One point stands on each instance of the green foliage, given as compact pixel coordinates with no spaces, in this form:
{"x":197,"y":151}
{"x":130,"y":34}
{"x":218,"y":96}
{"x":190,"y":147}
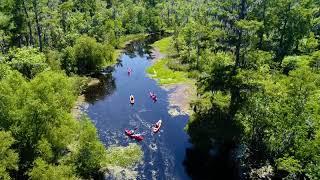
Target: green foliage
{"x":8,"y":157}
{"x":45,"y":171}
{"x":91,"y":154}
{"x":4,"y":70}
{"x":91,"y":56}
{"x":51,"y":144}
{"x":309,"y":44}
{"x":153,"y":20}
{"x":289,"y":164}
{"x":293,"y":62}
{"x":315,"y":60}
{"x":258,"y":69}
{"x":257,"y":65}
{"x":164,"y":45}
{"x":28,"y":61}
{"x":175,"y":65}
{"x":53,"y":60}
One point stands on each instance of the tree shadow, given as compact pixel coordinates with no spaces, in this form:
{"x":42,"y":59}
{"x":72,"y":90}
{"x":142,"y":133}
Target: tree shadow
{"x":98,"y":91}
{"x":143,"y":46}
{"x":215,"y":137}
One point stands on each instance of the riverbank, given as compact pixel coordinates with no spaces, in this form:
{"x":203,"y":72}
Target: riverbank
{"x":81,"y":105}
{"x":181,"y":88}
{"x":124,"y":41}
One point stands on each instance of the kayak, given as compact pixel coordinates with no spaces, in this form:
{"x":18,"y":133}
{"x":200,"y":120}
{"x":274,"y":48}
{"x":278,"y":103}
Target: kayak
{"x":130,"y":133}
{"x":131,"y":99}
{"x":137,"y":137}
{"x":153,"y":96}
{"x":156,"y":129}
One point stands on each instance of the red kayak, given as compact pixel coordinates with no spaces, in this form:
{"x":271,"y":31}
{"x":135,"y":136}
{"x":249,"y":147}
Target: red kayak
{"x":130,"y":133}
{"x":157,"y":126}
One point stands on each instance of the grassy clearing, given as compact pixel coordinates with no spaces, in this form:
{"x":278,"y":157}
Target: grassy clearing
{"x":164,"y":45}
{"x":161,"y":70}
{"x":166,"y":76}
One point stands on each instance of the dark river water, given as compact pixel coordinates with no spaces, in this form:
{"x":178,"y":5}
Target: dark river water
{"x":109,"y":109}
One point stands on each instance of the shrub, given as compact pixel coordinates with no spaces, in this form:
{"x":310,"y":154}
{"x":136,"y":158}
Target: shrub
{"x":90,"y":56}
{"x":28,"y":61}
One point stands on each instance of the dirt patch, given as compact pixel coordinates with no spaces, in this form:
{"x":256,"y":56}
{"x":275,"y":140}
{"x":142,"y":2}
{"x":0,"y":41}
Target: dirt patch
{"x":94,"y":82}
{"x":77,"y":110}
{"x":180,"y":96}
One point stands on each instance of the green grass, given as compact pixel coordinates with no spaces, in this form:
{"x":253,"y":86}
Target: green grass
{"x":166,"y":76}
{"x":164,"y":45}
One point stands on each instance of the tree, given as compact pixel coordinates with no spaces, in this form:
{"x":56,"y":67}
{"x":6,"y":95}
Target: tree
{"x":28,"y":61}
{"x":42,"y":170}
{"x":91,"y":56}
{"x":91,"y":154}
{"x":8,"y":157}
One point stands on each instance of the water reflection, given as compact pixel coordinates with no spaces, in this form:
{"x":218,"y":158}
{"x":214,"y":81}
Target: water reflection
{"x":138,"y":48}
{"x":105,"y":87}
{"x":143,"y":48}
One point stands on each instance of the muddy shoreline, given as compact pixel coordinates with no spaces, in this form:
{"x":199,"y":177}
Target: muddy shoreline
{"x":180,"y":95}
{"x":81,"y":105}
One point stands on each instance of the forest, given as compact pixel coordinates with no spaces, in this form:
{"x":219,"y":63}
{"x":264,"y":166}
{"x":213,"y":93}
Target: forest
{"x":256,"y":65}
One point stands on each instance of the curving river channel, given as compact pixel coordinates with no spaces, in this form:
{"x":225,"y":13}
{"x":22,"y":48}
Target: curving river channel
{"x":109,"y":109}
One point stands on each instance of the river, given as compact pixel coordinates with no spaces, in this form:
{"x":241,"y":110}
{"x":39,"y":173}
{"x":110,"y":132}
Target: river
{"x":109,"y":109}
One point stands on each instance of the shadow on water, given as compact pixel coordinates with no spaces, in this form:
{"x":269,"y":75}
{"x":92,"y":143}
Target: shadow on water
{"x":213,"y":155}
{"x":105,"y":87}
{"x":142,"y":48}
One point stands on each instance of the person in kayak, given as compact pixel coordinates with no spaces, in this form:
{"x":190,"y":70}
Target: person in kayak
{"x":156,"y":125}
{"x":153,"y":96}
{"x":134,"y":131}
{"x":129,"y":71}
{"x":131,"y":99}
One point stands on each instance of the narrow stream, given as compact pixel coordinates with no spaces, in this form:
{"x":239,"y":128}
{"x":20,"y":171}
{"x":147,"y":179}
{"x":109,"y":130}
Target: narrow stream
{"x":109,"y":109}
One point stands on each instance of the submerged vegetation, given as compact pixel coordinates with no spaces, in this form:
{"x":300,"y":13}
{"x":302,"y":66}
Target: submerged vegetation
{"x":256,"y":64}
